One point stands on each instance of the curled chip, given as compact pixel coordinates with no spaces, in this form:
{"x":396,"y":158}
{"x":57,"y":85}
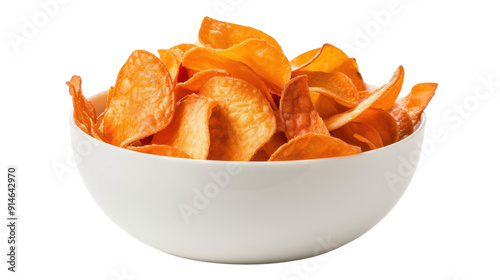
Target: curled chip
{"x":200,"y":59}
{"x":359,"y":134}
{"x":297,"y":110}
{"x":194,"y":84}
{"x":418,"y":98}
{"x":341,"y":119}
{"x":83,"y":110}
{"x":325,"y":106}
{"x":142,"y":102}
{"x":188,"y":130}
{"x":336,"y":85}
{"x":234,"y":95}
{"x":160,"y":150}
{"x":222,"y":35}
{"x":172,"y":59}
{"x":383,"y":122}
{"x":328,"y":59}
{"x":278,"y":140}
{"x":267,"y":61}
{"x":242,"y":122}
{"x":313,"y":146}
{"x":405,"y":124}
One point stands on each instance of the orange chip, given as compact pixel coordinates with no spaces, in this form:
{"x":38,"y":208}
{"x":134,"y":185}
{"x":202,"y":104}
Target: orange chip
{"x":328,"y":59}
{"x":267,"y":61}
{"x":194,"y":84}
{"x":336,"y":85}
{"x":142,"y":102}
{"x":278,"y":140}
{"x":341,"y":119}
{"x":383,"y":122}
{"x":325,"y":106}
{"x":189,"y":130}
{"x":160,"y":150}
{"x":359,"y":134}
{"x":171,"y":59}
{"x":222,"y":35}
{"x":405,"y":124}
{"x":200,"y":59}
{"x":416,"y":101}
{"x":242,"y":122}
{"x":83,"y":110}
{"x":183,"y":47}
{"x":261,"y":155}
{"x":297,"y":110}
{"x":313,"y":146}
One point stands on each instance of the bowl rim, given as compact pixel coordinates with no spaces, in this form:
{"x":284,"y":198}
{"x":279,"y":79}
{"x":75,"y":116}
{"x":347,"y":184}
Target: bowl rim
{"x":418,"y":130}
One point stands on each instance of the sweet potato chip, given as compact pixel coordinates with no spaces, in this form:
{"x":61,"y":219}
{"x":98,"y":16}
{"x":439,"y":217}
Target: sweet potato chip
{"x":189,"y":130}
{"x":297,"y":110}
{"x":160,"y":150}
{"x":328,"y":59}
{"x":261,"y":155}
{"x":313,"y":146}
{"x":84,"y":114}
{"x":336,"y":85}
{"x":325,"y":106}
{"x":359,"y":134}
{"x":222,"y":35}
{"x":383,"y":122}
{"x":278,"y":140}
{"x":341,"y":119}
{"x":194,"y":84}
{"x":183,"y":47}
{"x":405,"y":124}
{"x":242,"y":122}
{"x":171,"y":59}
{"x":200,"y":59}
{"x":416,"y":101}
{"x":267,"y":61}
{"x":142,"y":102}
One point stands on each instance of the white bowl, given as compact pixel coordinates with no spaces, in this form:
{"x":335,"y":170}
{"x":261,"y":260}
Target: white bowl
{"x":244,"y":212}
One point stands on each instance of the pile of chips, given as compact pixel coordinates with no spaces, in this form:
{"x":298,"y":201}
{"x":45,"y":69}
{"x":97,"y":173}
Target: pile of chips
{"x":235,"y":96}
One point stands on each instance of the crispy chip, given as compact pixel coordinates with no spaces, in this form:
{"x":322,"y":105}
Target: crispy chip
{"x":160,"y":150}
{"x":189,"y":131}
{"x":200,"y":59}
{"x":261,"y":155}
{"x":142,"y":102}
{"x":267,"y":61}
{"x":359,"y":134}
{"x":405,"y":124}
{"x":83,"y":110}
{"x":325,"y":106}
{"x":416,"y":101}
{"x":183,"y":47}
{"x":172,"y":59}
{"x":297,"y":110}
{"x":278,"y":140}
{"x":313,"y":146}
{"x":328,"y":59}
{"x":194,"y":84}
{"x":222,"y":35}
{"x":242,"y":122}
{"x":336,"y":85}
{"x":383,"y":122}
{"x":341,"y":119}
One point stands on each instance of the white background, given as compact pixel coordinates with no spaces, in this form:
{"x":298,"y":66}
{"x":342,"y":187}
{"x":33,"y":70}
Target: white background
{"x":446,"y":226}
